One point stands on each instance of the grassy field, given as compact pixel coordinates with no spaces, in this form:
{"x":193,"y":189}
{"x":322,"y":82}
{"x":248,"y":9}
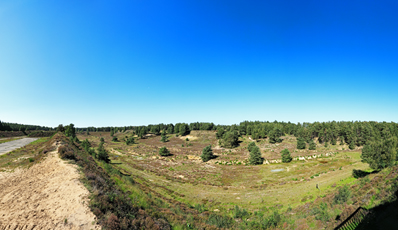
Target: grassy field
{"x":226,"y":181}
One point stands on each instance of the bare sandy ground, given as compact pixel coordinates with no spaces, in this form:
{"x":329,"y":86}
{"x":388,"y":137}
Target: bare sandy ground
{"x":48,"y":195}
{"x":11,"y":145}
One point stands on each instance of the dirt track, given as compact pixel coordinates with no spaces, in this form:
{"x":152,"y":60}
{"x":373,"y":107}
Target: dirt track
{"x":48,"y":195}
{"x":9,"y":146}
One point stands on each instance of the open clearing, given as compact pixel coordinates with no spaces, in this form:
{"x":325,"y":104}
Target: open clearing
{"x":226,"y":181}
{"x":47,"y":195}
{"x":11,"y":145}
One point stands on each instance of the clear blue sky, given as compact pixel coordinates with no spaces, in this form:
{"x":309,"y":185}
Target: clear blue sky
{"x":116,"y":63}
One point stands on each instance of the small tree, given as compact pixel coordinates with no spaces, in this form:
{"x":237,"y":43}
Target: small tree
{"x":112,"y":132}
{"x":207,"y":153}
{"x":102,"y":154}
{"x":114,"y":139}
{"x":301,"y":143}
{"x":255,"y":156}
{"x":274,"y":136}
{"x":164,"y":137}
{"x":164,"y":152}
{"x":286,"y":157}
{"x":251,"y":146}
{"x":87,"y":132}
{"x":312,"y":145}
{"x":380,"y":154}
{"x":102,"y":140}
{"x":343,"y":195}
{"x":86,"y":145}
{"x":130,"y":140}
{"x":70,"y":130}
{"x":351,"y":145}
{"x":230,"y":139}
{"x":184,"y":129}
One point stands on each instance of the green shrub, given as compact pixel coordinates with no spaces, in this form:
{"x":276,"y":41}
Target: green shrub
{"x":102,"y":154}
{"x":240,"y":213}
{"x":255,"y":156}
{"x":207,"y":153}
{"x":130,"y":140}
{"x":220,"y":221}
{"x":114,"y":139}
{"x":286,"y":157}
{"x":164,"y":152}
{"x":342,"y":195}
{"x":321,"y":212}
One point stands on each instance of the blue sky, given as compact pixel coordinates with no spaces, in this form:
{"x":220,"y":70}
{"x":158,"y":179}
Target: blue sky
{"x":116,"y":63}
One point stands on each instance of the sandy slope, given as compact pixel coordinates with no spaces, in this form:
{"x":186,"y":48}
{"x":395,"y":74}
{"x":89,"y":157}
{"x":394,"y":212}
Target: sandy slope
{"x":48,"y":195}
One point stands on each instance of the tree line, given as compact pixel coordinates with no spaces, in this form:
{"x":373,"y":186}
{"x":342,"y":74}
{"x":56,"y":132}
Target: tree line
{"x":5,"y":126}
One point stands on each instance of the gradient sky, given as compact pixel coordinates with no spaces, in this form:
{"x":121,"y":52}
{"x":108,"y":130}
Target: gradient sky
{"x":117,"y":63}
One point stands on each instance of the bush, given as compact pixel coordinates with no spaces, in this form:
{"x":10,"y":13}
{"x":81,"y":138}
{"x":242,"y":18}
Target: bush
{"x":343,"y":195}
{"x":220,"y":221}
{"x":240,"y":213}
{"x":66,"y":152}
{"x":380,"y":154}
{"x":164,"y":152}
{"x":115,"y":139}
{"x":286,"y":157}
{"x":102,"y":154}
{"x":207,"y":153}
{"x":130,"y":140}
{"x":271,"y":221}
{"x":102,"y":139}
{"x":321,"y":213}
{"x":164,"y":137}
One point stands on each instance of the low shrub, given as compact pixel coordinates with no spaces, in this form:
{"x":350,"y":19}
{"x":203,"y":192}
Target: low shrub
{"x":342,"y":195}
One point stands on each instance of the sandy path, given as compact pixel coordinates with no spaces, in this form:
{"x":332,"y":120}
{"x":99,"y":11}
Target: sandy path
{"x":48,"y":195}
{"x":11,"y":145}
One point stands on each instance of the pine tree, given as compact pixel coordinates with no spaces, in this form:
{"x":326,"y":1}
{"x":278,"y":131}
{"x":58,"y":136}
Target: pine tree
{"x":300,"y":143}
{"x":251,"y":146}
{"x":312,"y":145}
{"x":130,"y":140}
{"x":164,"y":152}
{"x":255,"y":156}
{"x":286,"y":157}
{"x":380,"y":154}
{"x":164,"y":137}
{"x":207,"y":154}
{"x":102,"y":154}
{"x":70,"y":130}
{"x":351,"y":145}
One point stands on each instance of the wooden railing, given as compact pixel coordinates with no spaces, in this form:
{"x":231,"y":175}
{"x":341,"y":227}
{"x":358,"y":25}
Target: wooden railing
{"x":353,"y":220}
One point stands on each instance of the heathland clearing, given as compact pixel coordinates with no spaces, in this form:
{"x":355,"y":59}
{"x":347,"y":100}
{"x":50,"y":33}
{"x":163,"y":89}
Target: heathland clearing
{"x":226,"y":181}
